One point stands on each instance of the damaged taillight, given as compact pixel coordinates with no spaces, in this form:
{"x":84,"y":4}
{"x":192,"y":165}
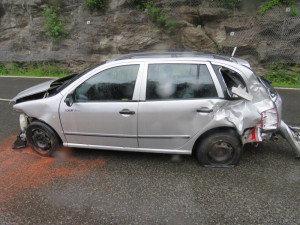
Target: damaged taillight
{"x":253,"y":135}
{"x":269,"y":119}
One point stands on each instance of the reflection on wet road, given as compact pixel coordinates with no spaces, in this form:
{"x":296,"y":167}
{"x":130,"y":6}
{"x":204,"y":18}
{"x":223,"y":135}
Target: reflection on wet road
{"x":98,"y":187}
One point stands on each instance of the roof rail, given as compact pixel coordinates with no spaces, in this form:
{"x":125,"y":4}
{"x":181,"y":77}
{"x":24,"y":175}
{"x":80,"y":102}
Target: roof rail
{"x":169,"y":54}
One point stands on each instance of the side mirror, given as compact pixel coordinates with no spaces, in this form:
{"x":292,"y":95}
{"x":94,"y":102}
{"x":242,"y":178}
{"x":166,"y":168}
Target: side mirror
{"x":69,"y":100}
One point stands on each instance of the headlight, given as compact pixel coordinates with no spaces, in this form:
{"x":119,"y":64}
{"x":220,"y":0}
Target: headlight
{"x":23,"y":122}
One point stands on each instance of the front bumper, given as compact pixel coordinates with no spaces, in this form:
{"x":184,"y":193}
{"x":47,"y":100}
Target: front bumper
{"x":291,"y":136}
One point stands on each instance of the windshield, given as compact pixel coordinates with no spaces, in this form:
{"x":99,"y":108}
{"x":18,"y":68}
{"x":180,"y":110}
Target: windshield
{"x":63,"y":82}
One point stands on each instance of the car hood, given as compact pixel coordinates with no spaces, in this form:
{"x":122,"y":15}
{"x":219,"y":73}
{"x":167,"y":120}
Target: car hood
{"x":33,"y":90}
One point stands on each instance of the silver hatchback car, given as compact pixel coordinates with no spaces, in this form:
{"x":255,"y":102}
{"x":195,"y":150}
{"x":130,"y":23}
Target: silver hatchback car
{"x":173,"y":102}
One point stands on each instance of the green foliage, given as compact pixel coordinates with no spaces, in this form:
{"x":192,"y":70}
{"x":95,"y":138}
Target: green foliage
{"x":140,"y":4}
{"x":158,"y":16}
{"x":53,"y":25}
{"x":96,"y":4}
{"x":283,"y":74}
{"x":3,"y":69}
{"x":288,"y":2}
{"x":36,"y":69}
{"x":15,"y":69}
{"x":231,"y":4}
{"x":268,"y":4}
{"x":294,"y":11}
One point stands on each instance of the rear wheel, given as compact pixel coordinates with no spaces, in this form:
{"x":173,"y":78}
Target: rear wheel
{"x":41,"y":138}
{"x":222,"y":149}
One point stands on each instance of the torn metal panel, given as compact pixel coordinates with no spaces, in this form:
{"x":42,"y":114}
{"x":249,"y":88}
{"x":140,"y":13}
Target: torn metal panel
{"x":238,"y":112}
{"x":239,"y":91}
{"x":40,"y":88}
{"x":292,"y":137}
{"x":44,"y":110}
{"x":247,"y":112}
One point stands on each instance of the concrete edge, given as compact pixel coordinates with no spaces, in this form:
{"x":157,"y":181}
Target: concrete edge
{"x":28,"y":77}
{"x":5,"y":100}
{"x":287,"y":88}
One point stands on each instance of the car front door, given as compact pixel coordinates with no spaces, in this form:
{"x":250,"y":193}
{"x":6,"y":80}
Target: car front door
{"x":104,"y":112}
{"x":179,"y":102}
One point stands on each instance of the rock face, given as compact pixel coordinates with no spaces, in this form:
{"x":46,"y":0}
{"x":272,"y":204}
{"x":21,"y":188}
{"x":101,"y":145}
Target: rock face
{"x":97,"y":36}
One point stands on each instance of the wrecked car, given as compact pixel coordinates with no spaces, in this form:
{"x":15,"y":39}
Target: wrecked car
{"x":203,"y":104}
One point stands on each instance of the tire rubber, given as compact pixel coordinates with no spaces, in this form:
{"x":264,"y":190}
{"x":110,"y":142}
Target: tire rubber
{"x":53,"y":138}
{"x":205,"y":146}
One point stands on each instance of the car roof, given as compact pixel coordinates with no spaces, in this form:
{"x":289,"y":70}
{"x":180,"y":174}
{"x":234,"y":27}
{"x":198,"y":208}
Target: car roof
{"x":186,"y":56}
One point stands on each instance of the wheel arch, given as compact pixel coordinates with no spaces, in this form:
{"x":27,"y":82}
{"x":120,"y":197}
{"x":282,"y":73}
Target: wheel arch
{"x":33,"y":119}
{"x":212,"y":131}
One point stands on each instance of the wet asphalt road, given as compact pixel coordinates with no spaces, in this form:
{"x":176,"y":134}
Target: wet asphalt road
{"x":101,"y":187}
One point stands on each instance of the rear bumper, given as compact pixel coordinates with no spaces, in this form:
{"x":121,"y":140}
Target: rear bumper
{"x":292,"y":137}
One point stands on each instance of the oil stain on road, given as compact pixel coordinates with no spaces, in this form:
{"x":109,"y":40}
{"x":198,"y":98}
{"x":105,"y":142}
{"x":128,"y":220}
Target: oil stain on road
{"x":21,"y":170}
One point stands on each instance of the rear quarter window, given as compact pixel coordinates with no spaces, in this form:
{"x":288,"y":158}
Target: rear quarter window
{"x":230,"y":79}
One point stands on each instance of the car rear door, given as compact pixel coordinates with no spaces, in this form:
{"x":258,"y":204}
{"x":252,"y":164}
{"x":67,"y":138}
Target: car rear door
{"x":104,"y":112}
{"x":179,"y":99}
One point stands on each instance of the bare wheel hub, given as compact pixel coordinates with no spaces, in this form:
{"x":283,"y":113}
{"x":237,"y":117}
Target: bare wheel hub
{"x":221,"y":152}
{"x":41,"y":139}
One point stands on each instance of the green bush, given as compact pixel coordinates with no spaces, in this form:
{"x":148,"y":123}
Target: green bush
{"x":140,"y":4}
{"x":229,"y":3}
{"x":15,"y":69}
{"x":53,"y":25}
{"x":158,"y":16}
{"x":268,"y":4}
{"x":96,"y":4}
{"x":294,"y":11}
{"x":288,"y":2}
{"x":3,"y":69}
{"x":283,"y":74}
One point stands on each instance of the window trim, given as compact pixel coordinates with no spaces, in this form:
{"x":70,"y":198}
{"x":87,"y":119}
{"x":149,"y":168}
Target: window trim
{"x":221,"y":79}
{"x":209,"y":67}
{"x":102,"y":68}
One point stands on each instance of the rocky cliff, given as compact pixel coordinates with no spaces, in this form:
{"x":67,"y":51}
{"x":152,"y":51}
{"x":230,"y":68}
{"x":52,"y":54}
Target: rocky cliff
{"x":94,"y":36}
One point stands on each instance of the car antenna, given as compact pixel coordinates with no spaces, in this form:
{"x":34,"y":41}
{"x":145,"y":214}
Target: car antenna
{"x":234,"y":50}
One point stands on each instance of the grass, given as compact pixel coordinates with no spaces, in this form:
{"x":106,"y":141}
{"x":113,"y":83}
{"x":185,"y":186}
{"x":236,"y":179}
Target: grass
{"x":278,"y":84}
{"x":32,"y":70}
{"x":284,"y":75}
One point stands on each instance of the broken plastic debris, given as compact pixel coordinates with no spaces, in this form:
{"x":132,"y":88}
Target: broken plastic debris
{"x":239,"y":91}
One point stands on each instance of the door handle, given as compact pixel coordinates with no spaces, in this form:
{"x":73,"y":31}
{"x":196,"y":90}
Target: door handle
{"x":205,"y":110}
{"x":127,"y":112}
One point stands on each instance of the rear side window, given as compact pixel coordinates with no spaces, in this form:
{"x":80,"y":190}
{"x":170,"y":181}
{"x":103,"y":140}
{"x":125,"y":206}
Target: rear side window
{"x":179,"y":81}
{"x":115,"y":84}
{"x":230,"y":78}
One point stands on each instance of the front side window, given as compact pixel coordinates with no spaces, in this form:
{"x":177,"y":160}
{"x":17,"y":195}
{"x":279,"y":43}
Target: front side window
{"x":114,"y":84}
{"x":179,"y":81}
